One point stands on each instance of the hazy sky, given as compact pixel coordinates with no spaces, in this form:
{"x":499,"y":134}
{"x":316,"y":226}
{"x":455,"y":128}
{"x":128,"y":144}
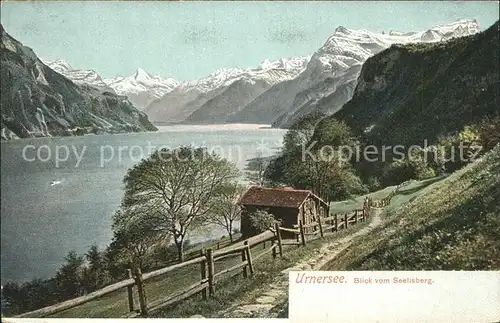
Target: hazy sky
{"x":188,"y":40}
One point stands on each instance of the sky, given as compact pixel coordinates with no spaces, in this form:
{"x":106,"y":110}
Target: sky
{"x":189,"y":40}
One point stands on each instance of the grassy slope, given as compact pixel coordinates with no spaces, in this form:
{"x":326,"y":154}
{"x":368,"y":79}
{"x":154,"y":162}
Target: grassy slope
{"x":227,"y":291}
{"x":405,"y":193}
{"x":359,"y":256}
{"x":116,"y":304}
{"x":453,"y":224}
{"x":238,"y":290}
{"x":347,"y":206}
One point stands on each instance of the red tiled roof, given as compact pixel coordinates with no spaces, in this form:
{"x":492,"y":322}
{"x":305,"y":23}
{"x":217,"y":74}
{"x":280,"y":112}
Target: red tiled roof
{"x":281,"y":197}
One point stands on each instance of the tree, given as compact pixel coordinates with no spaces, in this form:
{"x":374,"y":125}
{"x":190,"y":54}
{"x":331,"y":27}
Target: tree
{"x":330,"y":175}
{"x":421,"y":164}
{"x":95,"y":271}
{"x":332,"y":132}
{"x":226,"y":211}
{"x":316,"y":159}
{"x":261,"y":220}
{"x":135,"y":235}
{"x":19,"y":298}
{"x":301,"y":131}
{"x":284,"y":169}
{"x":177,"y":188}
{"x":255,"y":170}
{"x":69,"y":277}
{"x":166,"y":254}
{"x":489,"y":132}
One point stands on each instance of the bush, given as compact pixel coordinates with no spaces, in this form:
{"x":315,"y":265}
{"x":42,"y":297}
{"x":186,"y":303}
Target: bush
{"x":404,"y":170}
{"x":262,"y":220}
{"x":373,"y":184}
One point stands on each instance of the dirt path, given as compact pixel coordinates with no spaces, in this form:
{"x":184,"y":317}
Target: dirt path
{"x":264,"y":303}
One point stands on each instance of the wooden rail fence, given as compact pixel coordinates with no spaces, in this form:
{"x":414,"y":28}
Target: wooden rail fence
{"x":207,"y":258}
{"x":206,"y":285}
{"x":387,"y":200}
{"x":325,"y":225}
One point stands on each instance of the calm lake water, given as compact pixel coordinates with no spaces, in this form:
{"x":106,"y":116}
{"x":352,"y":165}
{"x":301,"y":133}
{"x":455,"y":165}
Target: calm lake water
{"x":51,"y":205}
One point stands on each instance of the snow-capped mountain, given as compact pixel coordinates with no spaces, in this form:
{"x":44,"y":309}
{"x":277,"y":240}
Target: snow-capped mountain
{"x":279,"y":91}
{"x":79,"y":76}
{"x":347,"y":46}
{"x":142,"y":88}
{"x":270,"y":71}
{"x":335,"y":67}
{"x":222,"y":93}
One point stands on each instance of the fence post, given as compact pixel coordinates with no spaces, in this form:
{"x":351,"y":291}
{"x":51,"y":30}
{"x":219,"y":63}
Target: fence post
{"x":355,"y":216}
{"x":211,"y":271}
{"x":218,"y":245}
{"x":336,"y":222}
{"x":320,"y":227}
{"x":345,"y":220}
{"x":249,"y":257}
{"x":302,"y":233}
{"x":274,"y":245}
{"x":203,"y":270}
{"x":278,"y":234}
{"x":141,"y":292}
{"x":243,"y":259}
{"x":130,"y":292}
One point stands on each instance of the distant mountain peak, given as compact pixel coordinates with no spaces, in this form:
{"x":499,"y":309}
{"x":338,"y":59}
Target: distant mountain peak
{"x":61,"y":63}
{"x":141,"y":74}
{"x":140,"y":87}
{"x":79,"y":76}
{"x":341,"y":30}
{"x":226,"y":76}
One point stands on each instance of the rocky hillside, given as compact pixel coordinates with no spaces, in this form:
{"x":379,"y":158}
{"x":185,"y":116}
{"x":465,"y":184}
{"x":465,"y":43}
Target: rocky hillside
{"x":222,"y":107}
{"x":413,"y":92}
{"x":331,"y":76}
{"x":37,"y":101}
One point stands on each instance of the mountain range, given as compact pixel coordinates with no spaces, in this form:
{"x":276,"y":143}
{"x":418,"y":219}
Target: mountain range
{"x":415,"y":92}
{"x":331,"y":76}
{"x":141,"y":88}
{"x":279,"y":92}
{"x":57,"y":99}
{"x":37,"y":101}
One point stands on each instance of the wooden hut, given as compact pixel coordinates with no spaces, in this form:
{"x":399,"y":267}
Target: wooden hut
{"x":288,"y":205}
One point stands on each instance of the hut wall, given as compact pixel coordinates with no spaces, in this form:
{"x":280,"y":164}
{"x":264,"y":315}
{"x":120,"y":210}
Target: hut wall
{"x":309,"y":209}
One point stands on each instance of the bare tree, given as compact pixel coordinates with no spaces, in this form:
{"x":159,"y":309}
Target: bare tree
{"x":178,"y":188}
{"x":226,"y":211}
{"x":255,"y":170}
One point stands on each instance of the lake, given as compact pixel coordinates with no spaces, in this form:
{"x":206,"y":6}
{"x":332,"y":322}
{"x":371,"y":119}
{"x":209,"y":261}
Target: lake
{"x":58,"y":194}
